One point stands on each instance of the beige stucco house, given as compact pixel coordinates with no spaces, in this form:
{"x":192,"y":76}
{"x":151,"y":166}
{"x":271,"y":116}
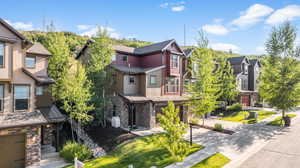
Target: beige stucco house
{"x":27,"y":116}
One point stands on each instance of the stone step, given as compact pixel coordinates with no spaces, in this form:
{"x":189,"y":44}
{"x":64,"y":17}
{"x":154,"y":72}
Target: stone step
{"x":52,"y":159}
{"x":48,"y":149}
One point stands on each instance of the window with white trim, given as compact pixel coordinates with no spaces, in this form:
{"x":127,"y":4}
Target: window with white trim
{"x":21,"y":97}
{"x":174,"y":61}
{"x":172,"y":85}
{"x":131,"y":80}
{"x":1,"y":97}
{"x":30,"y":62}
{"x":2,"y":50}
{"x":39,"y":91}
{"x":153,"y":79}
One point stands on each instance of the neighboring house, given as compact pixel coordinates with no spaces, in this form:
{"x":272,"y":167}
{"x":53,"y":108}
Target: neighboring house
{"x":146,"y":78}
{"x":27,"y":116}
{"x":246,"y":75}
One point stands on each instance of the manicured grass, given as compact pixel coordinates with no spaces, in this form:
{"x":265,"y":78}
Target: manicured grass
{"x":277,"y":121}
{"x":141,"y":152}
{"x":242,"y":116}
{"x":215,"y":161}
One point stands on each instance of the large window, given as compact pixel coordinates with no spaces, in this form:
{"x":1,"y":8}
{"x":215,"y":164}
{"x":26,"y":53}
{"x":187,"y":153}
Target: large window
{"x":30,"y":62}
{"x":1,"y":55}
{"x":172,"y":85}
{"x":21,"y":97}
{"x":1,"y":97}
{"x":174,"y":61}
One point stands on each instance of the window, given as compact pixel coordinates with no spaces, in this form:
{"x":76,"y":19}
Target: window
{"x":113,"y":57}
{"x":1,"y":55}
{"x":125,"y":58}
{"x":174,"y":61}
{"x":172,"y":85}
{"x":30,"y":62}
{"x":131,"y":80}
{"x":152,"y":79}
{"x":1,"y":97}
{"x":114,"y":110}
{"x":39,"y":91}
{"x":245,"y":68}
{"x":21,"y":97}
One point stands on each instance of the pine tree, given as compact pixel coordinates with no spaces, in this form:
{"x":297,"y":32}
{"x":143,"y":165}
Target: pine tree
{"x":280,"y":79}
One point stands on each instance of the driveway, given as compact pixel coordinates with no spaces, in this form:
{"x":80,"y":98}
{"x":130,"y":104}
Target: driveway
{"x":281,"y":152}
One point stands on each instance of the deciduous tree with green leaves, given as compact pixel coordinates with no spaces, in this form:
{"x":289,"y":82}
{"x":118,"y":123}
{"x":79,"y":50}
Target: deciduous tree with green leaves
{"x":280,"y":78}
{"x":174,"y":130}
{"x":203,"y":91}
{"x":100,"y":55}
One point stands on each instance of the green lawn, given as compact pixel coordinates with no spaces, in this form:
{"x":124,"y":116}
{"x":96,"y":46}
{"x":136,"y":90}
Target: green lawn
{"x":215,"y":161}
{"x":277,"y":121}
{"x":142,"y":152}
{"x":242,"y":116}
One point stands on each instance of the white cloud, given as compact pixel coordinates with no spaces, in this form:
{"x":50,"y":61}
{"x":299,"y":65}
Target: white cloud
{"x":174,"y":6}
{"x":287,"y":13}
{"x":20,"y":25}
{"x":217,"y":20}
{"x":225,"y":47}
{"x":260,"y":50}
{"x":93,"y":30}
{"x":178,"y":8}
{"x":83,"y":27}
{"x":215,"y":29}
{"x":252,"y":15}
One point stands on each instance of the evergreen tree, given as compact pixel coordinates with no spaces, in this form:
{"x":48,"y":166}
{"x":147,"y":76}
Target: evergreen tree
{"x":174,"y":130}
{"x":225,"y":80}
{"x":280,"y":79}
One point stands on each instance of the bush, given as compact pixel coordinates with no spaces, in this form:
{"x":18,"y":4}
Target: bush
{"x":218,"y":127}
{"x":194,"y":120}
{"x":235,"y":107}
{"x":73,"y":149}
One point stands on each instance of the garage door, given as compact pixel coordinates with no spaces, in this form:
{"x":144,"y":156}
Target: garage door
{"x":12,"y":151}
{"x":246,"y":100}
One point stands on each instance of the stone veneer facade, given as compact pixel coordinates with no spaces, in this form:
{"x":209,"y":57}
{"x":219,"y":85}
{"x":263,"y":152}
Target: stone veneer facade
{"x":33,"y":142}
{"x":48,"y":136}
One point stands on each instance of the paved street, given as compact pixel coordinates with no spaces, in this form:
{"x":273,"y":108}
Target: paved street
{"x":281,"y":152}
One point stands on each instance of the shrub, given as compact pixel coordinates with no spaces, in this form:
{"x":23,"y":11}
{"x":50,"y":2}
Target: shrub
{"x":194,"y":120}
{"x":218,"y":127}
{"x":235,"y":107}
{"x":73,"y":149}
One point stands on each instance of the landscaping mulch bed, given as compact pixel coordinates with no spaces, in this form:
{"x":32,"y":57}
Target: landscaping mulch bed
{"x":224,"y":131}
{"x":108,"y":138}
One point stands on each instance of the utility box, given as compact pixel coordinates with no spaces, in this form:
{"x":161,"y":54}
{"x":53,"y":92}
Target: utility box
{"x":115,"y":122}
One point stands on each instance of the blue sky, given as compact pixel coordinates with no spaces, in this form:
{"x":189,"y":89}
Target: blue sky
{"x":240,"y":25}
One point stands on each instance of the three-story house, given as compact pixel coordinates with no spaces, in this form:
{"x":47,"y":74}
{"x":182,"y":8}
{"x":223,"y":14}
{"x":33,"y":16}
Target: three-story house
{"x":27,"y":117}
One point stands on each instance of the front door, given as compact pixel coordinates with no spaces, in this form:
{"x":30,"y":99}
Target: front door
{"x":132,"y":116}
{"x":245,"y":100}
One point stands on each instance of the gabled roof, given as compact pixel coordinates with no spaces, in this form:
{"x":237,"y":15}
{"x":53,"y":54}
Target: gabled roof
{"x":149,"y":49}
{"x":254,"y":61}
{"x":237,"y":60}
{"x":39,"y":79}
{"x":38,"y":48}
{"x":52,"y":114}
{"x":135,"y":70}
{"x":9,"y":27}
{"x":188,"y":51}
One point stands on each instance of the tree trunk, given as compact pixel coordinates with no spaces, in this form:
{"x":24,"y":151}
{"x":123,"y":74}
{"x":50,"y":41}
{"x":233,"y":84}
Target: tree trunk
{"x":283,"y":114}
{"x":203,"y":118}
